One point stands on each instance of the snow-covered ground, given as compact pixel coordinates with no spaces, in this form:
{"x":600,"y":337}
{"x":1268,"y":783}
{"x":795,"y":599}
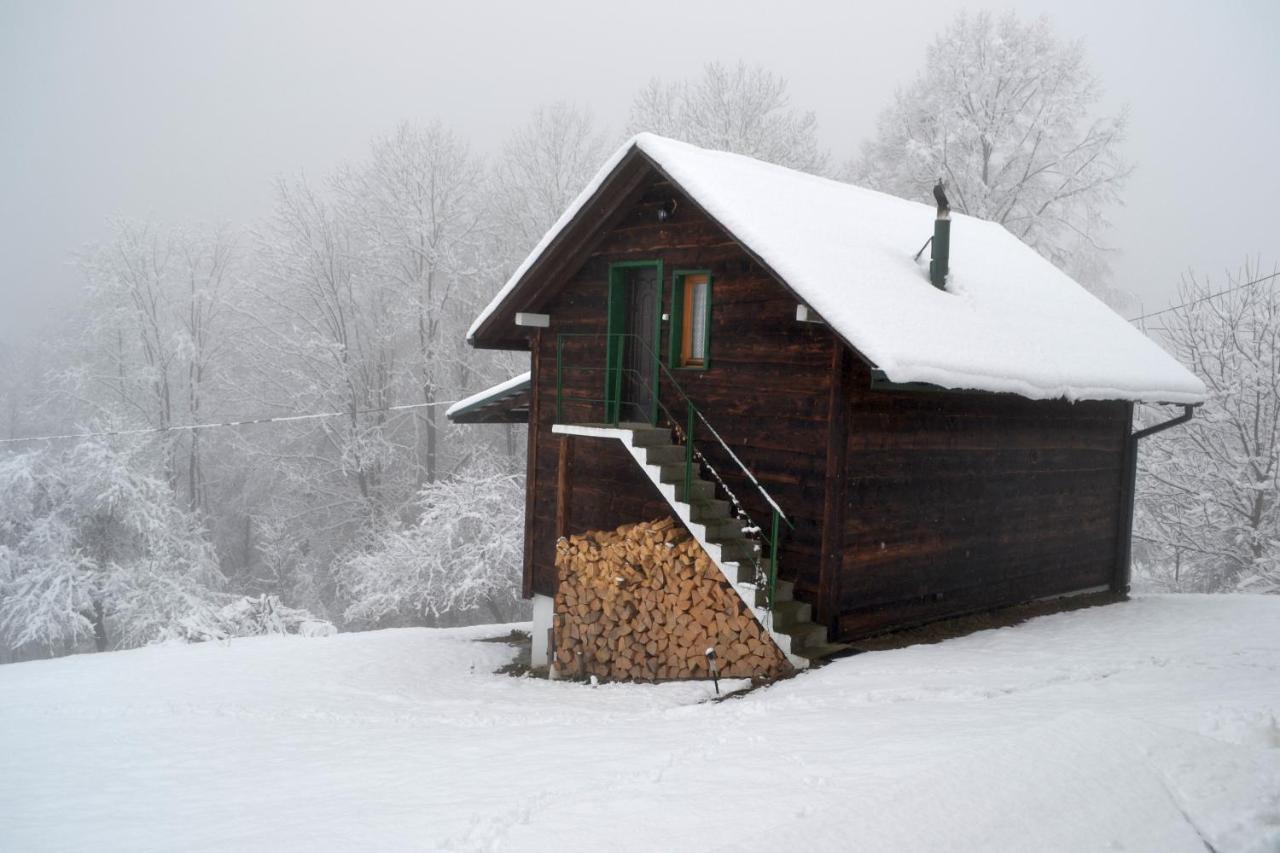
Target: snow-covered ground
{"x":1145,"y":726}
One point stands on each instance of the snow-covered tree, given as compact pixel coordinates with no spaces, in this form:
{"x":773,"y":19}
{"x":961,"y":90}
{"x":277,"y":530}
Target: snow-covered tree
{"x":417,"y":206}
{"x":1208,"y":497}
{"x":352,"y":297}
{"x":94,"y":547}
{"x":745,"y":109}
{"x":361,"y":291}
{"x":462,"y":554}
{"x":153,"y":336}
{"x":543,"y":167}
{"x":1004,"y":113}
{"x":23,"y":389}
{"x":322,"y":335}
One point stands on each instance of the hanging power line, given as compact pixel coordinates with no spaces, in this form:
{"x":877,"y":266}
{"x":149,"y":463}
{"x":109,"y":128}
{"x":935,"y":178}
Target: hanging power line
{"x":1208,"y":297}
{"x":222,"y":424}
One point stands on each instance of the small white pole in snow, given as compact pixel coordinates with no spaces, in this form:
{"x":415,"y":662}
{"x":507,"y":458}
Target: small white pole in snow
{"x":715,"y":670}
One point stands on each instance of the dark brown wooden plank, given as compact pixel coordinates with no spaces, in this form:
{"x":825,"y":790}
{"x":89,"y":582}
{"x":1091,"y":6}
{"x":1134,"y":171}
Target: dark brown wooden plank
{"x":563,"y":487}
{"x":831,"y":558}
{"x":1124,"y":530}
{"x":531,"y":479}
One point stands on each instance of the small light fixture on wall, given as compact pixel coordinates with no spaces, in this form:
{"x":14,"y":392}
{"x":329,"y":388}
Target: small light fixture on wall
{"x":805,"y":314}
{"x":667,"y":210}
{"x":536,"y":321}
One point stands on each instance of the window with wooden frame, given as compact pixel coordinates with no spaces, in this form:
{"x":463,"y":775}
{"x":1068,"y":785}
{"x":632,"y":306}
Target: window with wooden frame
{"x":691,"y":319}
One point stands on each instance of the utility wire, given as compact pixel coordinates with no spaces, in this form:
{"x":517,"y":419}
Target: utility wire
{"x":221,"y":424}
{"x":1205,"y":298}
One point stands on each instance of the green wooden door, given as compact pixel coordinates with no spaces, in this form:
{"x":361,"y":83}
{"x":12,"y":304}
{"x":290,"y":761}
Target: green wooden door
{"x":635,"y":317}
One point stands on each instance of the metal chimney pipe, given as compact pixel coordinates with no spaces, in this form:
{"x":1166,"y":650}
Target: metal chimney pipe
{"x":940,"y":254}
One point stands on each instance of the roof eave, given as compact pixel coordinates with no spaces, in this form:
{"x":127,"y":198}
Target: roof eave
{"x":563,"y":255}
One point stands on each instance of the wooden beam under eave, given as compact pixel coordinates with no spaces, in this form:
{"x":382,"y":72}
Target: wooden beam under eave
{"x":563,"y":487}
{"x":531,"y":463}
{"x":1120,"y":575}
{"x":567,"y":253}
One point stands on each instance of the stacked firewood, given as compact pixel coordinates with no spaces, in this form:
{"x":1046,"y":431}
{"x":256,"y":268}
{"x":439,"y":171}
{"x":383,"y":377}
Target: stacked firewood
{"x":645,"y":602}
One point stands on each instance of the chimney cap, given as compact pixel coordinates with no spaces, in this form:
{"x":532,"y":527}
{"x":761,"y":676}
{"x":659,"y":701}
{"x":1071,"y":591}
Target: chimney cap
{"x":940,"y":196}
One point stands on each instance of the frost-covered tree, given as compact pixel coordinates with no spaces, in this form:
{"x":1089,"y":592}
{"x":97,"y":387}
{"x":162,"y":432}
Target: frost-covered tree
{"x":417,"y":205}
{"x":1208,"y":497}
{"x":460,"y":555}
{"x":1004,"y":112}
{"x":23,"y":390}
{"x":543,"y":167}
{"x":353,"y":296}
{"x":361,"y":291}
{"x":322,"y":335}
{"x":745,"y":109}
{"x":153,"y":336}
{"x":93,"y":547}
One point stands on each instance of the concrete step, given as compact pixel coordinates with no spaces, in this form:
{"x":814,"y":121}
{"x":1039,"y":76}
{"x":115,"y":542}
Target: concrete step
{"x":806,"y":635}
{"x":672,"y":473}
{"x":649,"y":436}
{"x":738,"y":550}
{"x":823,"y":651}
{"x":702,"y":490}
{"x":704,"y":511}
{"x":788,"y":614}
{"x":747,"y":569}
{"x":664,"y":454}
{"x":785,"y":592}
{"x":724,"y":530}
{"x":745,"y":572}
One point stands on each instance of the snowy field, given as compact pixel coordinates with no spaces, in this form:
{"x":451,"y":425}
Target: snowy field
{"x":1145,"y":726}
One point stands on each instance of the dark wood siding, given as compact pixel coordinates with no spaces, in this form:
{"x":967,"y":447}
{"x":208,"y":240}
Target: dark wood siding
{"x":765,"y":391}
{"x":963,"y":502}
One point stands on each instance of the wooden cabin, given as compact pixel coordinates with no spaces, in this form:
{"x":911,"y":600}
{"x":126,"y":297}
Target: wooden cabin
{"x":846,"y":446}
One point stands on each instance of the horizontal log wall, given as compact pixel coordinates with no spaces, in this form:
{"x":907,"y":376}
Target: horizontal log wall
{"x":964,"y":502}
{"x":765,"y":391}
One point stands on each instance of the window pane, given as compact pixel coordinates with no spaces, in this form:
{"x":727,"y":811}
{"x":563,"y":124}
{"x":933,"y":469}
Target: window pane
{"x":698,"y":320}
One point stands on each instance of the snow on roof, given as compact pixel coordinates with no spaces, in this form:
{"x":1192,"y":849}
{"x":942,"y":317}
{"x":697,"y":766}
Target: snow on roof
{"x":1009,"y":320}
{"x":507,"y":388}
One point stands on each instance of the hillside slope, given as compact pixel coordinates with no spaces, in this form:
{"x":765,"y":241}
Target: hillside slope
{"x":1149,"y":725}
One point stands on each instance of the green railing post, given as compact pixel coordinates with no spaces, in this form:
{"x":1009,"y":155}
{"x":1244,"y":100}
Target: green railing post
{"x":688,"y":456}
{"x":559,"y":379}
{"x":773,"y":560}
{"x":617,"y":380}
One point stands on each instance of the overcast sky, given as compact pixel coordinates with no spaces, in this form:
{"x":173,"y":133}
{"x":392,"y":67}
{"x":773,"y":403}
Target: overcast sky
{"x":185,"y":111}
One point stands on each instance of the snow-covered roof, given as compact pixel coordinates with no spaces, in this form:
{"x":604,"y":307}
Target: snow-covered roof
{"x":1008,"y":321}
{"x":506,"y":390}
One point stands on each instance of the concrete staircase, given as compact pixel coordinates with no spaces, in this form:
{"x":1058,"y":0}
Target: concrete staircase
{"x":720,"y":534}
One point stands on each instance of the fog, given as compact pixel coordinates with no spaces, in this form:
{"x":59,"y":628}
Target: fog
{"x":184,"y":112}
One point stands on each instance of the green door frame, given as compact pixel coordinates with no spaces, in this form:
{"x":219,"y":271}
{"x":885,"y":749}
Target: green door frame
{"x":617,"y":325}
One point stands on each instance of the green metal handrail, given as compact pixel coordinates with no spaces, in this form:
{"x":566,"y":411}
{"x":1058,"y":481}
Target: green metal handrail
{"x":685,"y":428}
